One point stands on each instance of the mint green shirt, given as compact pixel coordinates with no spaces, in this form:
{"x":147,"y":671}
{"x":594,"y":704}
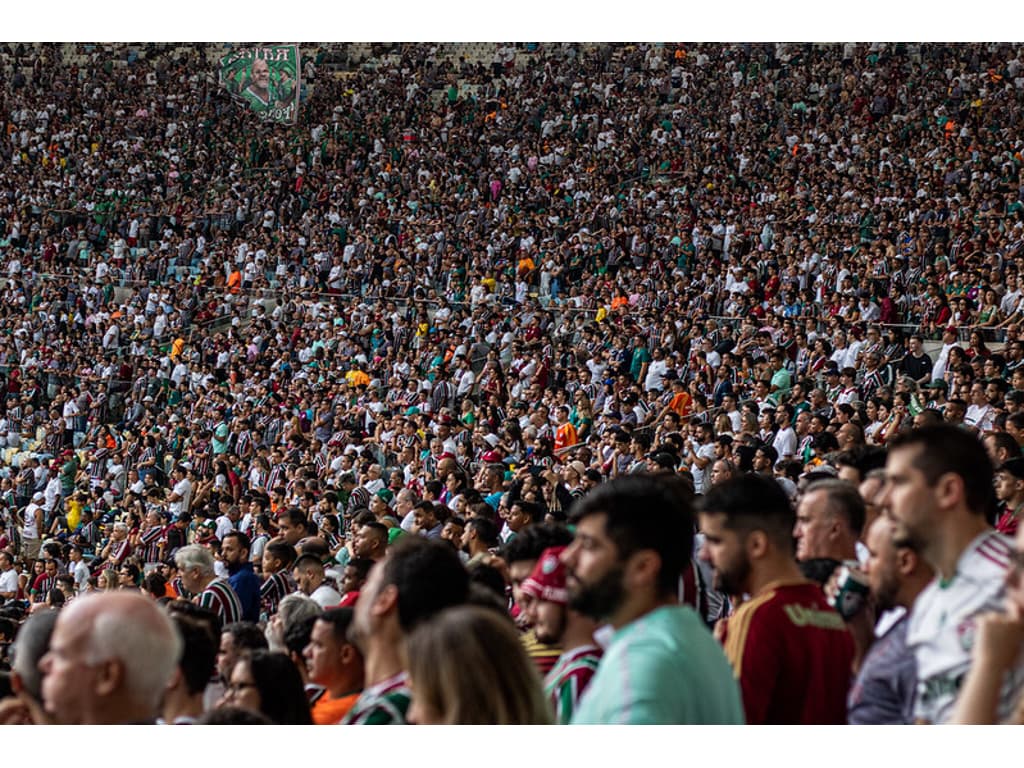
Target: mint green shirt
{"x":783,"y":381}
{"x":665,"y":668}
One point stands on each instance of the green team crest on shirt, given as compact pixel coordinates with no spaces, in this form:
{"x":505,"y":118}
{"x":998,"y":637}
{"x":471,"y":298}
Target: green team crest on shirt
{"x":267,"y":78}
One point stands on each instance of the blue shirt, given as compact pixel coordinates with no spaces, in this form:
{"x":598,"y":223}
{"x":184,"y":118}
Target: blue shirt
{"x":246,"y":584}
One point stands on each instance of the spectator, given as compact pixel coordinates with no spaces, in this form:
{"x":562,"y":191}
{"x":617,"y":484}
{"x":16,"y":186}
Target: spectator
{"x":417,"y":579}
{"x":633,"y":540}
{"x":790,"y":651}
{"x":938,"y":494}
{"x":268,"y":683}
{"x":334,"y":663}
{"x":130,"y":635}
{"x":467,"y":667}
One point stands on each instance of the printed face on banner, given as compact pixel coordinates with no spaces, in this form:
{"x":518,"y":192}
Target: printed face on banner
{"x":266,"y":78}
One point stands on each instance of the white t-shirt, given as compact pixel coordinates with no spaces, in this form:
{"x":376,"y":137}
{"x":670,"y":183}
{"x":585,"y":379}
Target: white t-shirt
{"x":656,"y":371}
{"x":182,"y":488}
{"x":325,"y":597}
{"x":785,"y":443}
{"x":224,"y":527}
{"x":81,"y":573}
{"x":9,"y":580}
{"x":980,"y":416}
{"x":942,"y":626}
{"x":702,"y":477}
{"x":30,"y":529}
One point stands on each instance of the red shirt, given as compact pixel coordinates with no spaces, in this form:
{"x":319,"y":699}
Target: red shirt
{"x":1008,"y":522}
{"x":792,"y":655}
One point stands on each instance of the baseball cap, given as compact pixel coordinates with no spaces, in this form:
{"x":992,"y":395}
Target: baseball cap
{"x":938,"y":384}
{"x":547,"y":579}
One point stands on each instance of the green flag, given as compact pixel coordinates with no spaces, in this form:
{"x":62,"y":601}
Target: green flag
{"x":267,"y":78}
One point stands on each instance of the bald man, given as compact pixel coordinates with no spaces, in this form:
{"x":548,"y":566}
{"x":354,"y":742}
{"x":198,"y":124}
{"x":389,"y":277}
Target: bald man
{"x":110,"y":660}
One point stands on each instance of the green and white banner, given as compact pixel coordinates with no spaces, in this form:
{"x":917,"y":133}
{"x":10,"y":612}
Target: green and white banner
{"x":267,"y":78}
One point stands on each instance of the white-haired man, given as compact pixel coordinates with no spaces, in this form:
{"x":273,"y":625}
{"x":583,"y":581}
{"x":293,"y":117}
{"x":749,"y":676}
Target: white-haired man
{"x":195,"y":563}
{"x":110,"y":660}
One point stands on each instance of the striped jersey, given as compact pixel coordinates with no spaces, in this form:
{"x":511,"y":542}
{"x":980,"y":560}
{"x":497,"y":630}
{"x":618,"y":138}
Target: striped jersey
{"x":569,"y":678}
{"x":383,"y":704}
{"x":543,"y":656}
{"x":150,"y":541}
{"x":274,"y":589}
{"x":942,"y":628}
{"x":220,"y":598}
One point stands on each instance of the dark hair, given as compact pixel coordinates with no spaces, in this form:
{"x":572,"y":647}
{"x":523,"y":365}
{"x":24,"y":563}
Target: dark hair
{"x":243,"y":540}
{"x":31,"y":645}
{"x":819,"y":569}
{"x":296,"y":636}
{"x":530,"y":508}
{"x":363,"y":517}
{"x":1005,"y":441}
{"x":306,"y":562}
{"x":770,"y":453}
{"x":295,"y":516}
{"x":283,"y":551}
{"x":315,"y":547}
{"x":233,"y":716}
{"x":428,"y":575}
{"x":752,"y":503}
{"x":824,"y":442}
{"x":183,"y":607}
{"x":381,"y":530}
{"x":155,"y":584}
{"x":488,"y":577}
{"x":645,"y":512}
{"x":362,"y":566}
{"x":534,"y":539}
{"x":282,"y":695}
{"x":486,"y":530}
{"x":199,"y":652}
{"x":944,"y":448}
{"x":246,"y":635}
{"x":339,"y":619}
{"x":133,"y":572}
{"x":66,"y":579}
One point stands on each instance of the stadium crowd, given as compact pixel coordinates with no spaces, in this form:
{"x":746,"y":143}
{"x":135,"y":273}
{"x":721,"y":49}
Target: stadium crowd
{"x":584,"y":383}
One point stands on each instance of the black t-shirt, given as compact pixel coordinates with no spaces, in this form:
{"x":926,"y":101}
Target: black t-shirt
{"x":917,"y":367}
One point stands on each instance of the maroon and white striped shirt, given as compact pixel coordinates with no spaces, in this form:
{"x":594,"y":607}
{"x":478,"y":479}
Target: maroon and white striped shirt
{"x":220,"y":598}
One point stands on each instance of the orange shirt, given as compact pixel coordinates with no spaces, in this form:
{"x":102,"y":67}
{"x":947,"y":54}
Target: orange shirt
{"x":330,"y":711}
{"x":565,"y":436}
{"x":356,"y":378}
{"x":177,"y":347}
{"x":681,"y":404}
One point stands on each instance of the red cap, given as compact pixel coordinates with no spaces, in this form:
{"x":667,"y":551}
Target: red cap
{"x":547,"y":580}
